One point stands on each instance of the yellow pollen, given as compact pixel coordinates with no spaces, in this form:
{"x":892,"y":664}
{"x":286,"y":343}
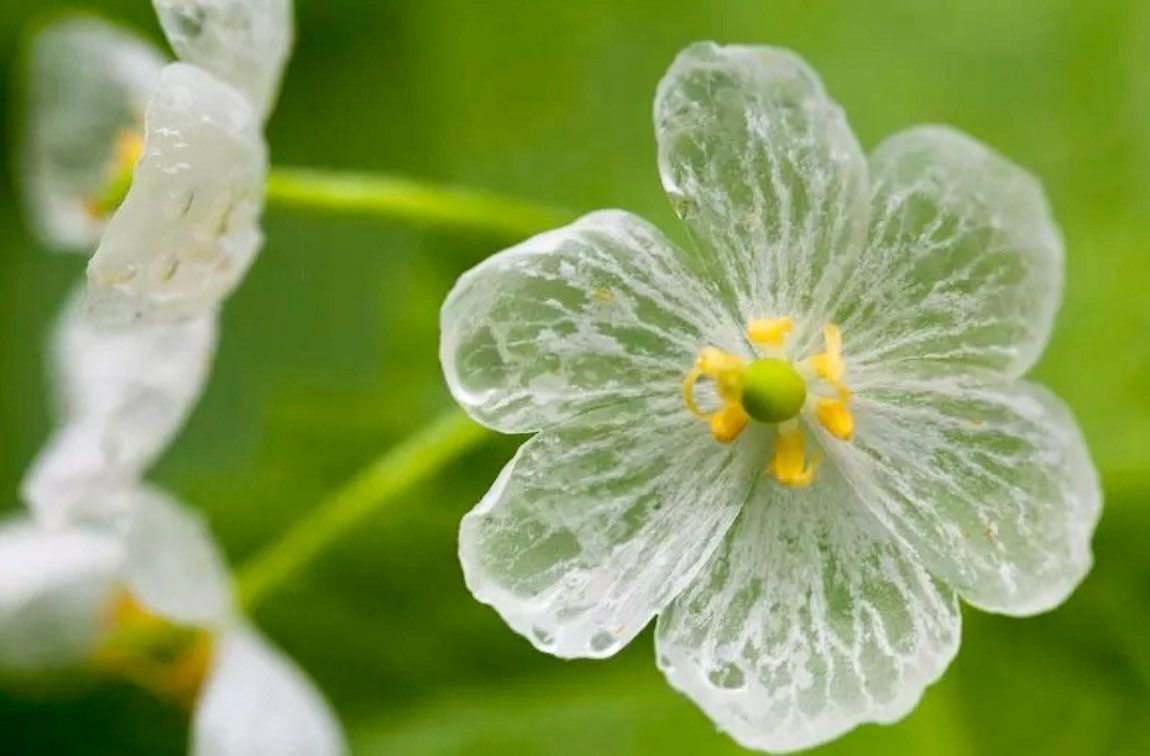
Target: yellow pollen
{"x":829,"y":364}
{"x":836,"y":418}
{"x":769,"y":332}
{"x":790,"y":464}
{"x":728,"y":423}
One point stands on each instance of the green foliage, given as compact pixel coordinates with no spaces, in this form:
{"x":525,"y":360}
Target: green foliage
{"x":329,"y":352}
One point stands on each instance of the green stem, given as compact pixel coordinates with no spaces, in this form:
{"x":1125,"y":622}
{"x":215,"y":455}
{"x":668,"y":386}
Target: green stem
{"x":377,"y":485}
{"x":409,"y":200}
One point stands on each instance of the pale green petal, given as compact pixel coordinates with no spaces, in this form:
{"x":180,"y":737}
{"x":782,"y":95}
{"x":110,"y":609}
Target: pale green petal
{"x":122,"y":396}
{"x":964,"y":268}
{"x":88,"y":82}
{"x":596,"y":525}
{"x":54,"y":587}
{"x":592,"y":313}
{"x":992,"y":487}
{"x":189,"y":228}
{"x":257,"y":702}
{"x":764,"y":169}
{"x":808,"y":621}
{"x":244,"y":42}
{"x":173,"y":566}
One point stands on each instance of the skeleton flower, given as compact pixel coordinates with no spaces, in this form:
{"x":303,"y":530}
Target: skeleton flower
{"x":165,"y":168}
{"x":122,"y":395}
{"x":153,"y":607}
{"x":796,"y":445}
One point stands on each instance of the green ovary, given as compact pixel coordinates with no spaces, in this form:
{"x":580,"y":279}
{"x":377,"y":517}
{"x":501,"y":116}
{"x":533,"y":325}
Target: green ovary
{"x":773,"y":391}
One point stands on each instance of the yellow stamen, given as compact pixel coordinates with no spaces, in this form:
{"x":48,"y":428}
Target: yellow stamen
{"x":777,"y":392}
{"x":728,"y":423}
{"x":118,"y":175}
{"x":829,"y":364}
{"x":836,"y":418}
{"x":689,"y":392}
{"x":790,"y":465}
{"x":726,"y":370}
{"x":168,"y":660}
{"x":769,"y":332}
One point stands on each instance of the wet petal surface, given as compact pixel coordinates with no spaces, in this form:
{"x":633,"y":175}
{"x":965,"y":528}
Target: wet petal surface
{"x":808,"y":621}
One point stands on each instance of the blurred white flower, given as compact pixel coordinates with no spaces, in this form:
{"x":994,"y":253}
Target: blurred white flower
{"x":153,"y":606}
{"x":166,"y":169}
{"x":797,"y":444}
{"x":121,"y":396}
{"x":88,"y":85}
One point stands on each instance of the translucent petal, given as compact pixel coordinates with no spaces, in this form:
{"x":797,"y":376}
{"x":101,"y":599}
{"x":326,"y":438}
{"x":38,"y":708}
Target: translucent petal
{"x":244,"y":42}
{"x":762,"y":166}
{"x":88,"y":83}
{"x":597,"y":524}
{"x":53,"y":587}
{"x":257,"y":702}
{"x":598,"y":311}
{"x":123,"y":395}
{"x":964,"y":266}
{"x":173,"y":566}
{"x":808,"y":621}
{"x":189,"y":228}
{"x":992,"y":486}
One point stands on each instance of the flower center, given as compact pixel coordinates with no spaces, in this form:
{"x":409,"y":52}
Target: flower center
{"x":775,"y":391}
{"x":118,"y":175}
{"x":168,"y":660}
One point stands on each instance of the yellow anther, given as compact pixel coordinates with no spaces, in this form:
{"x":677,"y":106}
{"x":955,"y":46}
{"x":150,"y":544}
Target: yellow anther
{"x":726,"y":370}
{"x":790,"y":465}
{"x":713,"y":362}
{"x":728,"y":423}
{"x":829,"y":364}
{"x":129,"y":146}
{"x":836,"y":418}
{"x":169,"y":660}
{"x":774,"y":391}
{"x":769,"y":332}
{"x":118,"y":175}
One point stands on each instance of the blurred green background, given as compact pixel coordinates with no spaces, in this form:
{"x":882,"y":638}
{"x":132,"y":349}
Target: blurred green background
{"x":329,"y":352}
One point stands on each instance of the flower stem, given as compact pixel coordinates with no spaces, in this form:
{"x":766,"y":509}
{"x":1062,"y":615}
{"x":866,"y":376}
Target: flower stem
{"x":409,"y":200}
{"x":377,"y":485}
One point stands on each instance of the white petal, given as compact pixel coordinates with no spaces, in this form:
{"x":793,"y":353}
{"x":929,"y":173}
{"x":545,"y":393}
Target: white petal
{"x":809,"y":621}
{"x":964,"y":266}
{"x":189,"y":228}
{"x":89,"y":81}
{"x":53,"y":589}
{"x":257,"y":702}
{"x":123,"y":395}
{"x":597,"y":524}
{"x":173,"y":566}
{"x":993,"y":487}
{"x":598,"y":311}
{"x":244,"y":42}
{"x":764,"y":169}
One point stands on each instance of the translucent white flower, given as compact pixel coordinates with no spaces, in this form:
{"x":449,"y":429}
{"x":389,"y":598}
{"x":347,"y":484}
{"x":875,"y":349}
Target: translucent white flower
{"x":122,"y":395}
{"x":243,"y":42}
{"x":154,"y":607}
{"x":188,"y":228}
{"x":796,"y":444}
{"x":172,"y":182}
{"x":89,"y":83}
